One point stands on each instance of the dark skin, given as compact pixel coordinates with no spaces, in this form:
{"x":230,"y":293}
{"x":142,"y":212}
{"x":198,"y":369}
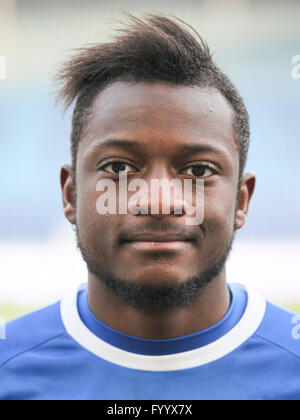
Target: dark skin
{"x":161,"y":120}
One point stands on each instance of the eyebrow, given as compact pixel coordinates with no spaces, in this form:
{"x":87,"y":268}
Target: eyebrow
{"x":203,"y":148}
{"x":129,"y":144}
{"x":187,"y":148}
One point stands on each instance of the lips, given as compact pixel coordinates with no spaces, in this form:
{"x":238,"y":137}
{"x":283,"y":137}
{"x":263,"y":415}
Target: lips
{"x":170,"y":246}
{"x":150,"y":237}
{"x":159,"y":242}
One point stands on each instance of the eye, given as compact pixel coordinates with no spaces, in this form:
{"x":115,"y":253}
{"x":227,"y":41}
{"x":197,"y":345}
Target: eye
{"x":118,"y":166}
{"x":199,"y":171}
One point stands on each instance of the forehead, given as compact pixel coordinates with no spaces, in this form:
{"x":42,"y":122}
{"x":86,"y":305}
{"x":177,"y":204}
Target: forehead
{"x":161,"y":115}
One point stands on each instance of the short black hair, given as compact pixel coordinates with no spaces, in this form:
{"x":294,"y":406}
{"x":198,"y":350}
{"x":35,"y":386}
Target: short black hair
{"x":154,"y":48}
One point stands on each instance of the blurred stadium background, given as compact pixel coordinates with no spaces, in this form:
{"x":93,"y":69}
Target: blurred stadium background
{"x":253,"y":40}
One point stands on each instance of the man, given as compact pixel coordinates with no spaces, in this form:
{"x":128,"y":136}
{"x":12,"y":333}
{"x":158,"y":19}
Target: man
{"x":157,"y":318}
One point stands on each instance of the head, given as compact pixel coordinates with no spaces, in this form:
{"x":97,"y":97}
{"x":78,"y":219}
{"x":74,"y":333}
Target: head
{"x":153,"y":103}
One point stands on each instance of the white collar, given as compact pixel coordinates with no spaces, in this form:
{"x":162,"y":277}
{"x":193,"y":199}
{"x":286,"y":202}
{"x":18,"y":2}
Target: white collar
{"x":241,"y":332}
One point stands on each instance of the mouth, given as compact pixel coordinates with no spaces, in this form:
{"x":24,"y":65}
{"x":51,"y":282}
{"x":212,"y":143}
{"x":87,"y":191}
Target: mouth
{"x":167,"y":242}
{"x":159,"y":246}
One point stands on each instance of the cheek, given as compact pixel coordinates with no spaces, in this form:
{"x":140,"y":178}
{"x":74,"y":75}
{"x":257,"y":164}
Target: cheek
{"x":95,"y":230}
{"x":97,"y":237}
{"x":219,"y":212}
{"x":86,"y":212}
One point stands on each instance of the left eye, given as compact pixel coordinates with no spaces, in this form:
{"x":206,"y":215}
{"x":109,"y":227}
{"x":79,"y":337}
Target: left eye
{"x":199,"y":171}
{"x":117,"y":167}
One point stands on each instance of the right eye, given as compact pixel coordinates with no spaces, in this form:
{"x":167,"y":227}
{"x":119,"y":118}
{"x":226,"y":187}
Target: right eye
{"x":117,"y":167}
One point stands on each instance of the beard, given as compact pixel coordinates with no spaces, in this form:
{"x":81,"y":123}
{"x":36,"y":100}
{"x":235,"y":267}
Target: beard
{"x":148,"y":298}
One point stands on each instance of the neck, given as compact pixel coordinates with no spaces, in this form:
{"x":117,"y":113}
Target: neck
{"x":208,"y":309}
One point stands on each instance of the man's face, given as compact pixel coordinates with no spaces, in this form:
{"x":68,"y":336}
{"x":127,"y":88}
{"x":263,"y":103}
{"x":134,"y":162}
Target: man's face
{"x":162,"y":132}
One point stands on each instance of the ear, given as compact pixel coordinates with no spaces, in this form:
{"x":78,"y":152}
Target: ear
{"x":244,"y":197}
{"x":66,"y":177}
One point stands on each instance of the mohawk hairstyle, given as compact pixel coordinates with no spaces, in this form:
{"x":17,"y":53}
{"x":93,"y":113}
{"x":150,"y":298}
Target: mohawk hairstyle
{"x":155,"y":48}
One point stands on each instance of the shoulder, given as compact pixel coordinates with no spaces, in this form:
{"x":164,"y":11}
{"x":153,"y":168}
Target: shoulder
{"x":30,"y":331}
{"x":281,"y":329}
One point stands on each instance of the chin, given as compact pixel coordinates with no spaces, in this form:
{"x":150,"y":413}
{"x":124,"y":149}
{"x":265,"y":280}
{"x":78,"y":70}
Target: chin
{"x":162,"y":275}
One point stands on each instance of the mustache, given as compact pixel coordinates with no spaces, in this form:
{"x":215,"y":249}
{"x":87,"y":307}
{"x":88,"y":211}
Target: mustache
{"x":165,"y":228}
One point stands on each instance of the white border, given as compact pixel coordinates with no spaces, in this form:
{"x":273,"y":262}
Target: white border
{"x":245,"y":328}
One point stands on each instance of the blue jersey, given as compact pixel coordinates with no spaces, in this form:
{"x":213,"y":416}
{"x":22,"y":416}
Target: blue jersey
{"x":62,"y":352}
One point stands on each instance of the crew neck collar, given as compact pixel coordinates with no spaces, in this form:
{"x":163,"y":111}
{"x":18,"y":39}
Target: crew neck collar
{"x":159,"y":347}
{"x":241,"y":321}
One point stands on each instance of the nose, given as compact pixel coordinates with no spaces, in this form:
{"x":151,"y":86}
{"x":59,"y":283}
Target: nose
{"x":160,"y":195}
